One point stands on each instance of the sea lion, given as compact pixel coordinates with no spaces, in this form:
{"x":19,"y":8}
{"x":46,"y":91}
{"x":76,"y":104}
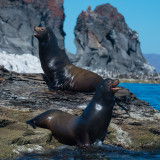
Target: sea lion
{"x":57,"y":67}
{"x":87,"y":128}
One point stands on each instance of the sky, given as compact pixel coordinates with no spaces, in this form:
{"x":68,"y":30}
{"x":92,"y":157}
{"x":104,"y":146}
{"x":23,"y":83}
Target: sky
{"x":140,"y":15}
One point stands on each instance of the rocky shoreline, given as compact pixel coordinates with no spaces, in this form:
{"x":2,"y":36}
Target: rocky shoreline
{"x":134,"y":125}
{"x":126,"y":77}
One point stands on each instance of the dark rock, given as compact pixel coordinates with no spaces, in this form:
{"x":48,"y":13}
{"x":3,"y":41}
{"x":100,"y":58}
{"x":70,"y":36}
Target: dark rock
{"x":104,"y":41}
{"x":135,"y":123}
{"x":71,"y":57}
{"x":5,"y":122}
{"x":155,"y":130}
{"x":31,"y":91}
{"x":18,"y":18}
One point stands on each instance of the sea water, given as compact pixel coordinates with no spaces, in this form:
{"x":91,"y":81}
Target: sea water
{"x":102,"y":152}
{"x":147,"y":92}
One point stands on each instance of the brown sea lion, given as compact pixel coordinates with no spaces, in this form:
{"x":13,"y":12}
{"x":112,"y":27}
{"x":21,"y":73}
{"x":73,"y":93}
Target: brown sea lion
{"x":85,"y":129}
{"x":58,"y":68}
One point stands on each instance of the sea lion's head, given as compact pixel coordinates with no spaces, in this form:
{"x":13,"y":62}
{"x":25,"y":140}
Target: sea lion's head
{"x":44,"y":34}
{"x":109,"y":86}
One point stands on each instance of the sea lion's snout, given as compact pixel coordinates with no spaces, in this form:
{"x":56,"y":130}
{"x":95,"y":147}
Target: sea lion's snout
{"x":114,"y":87}
{"x":36,"y":28}
{"x":115,"y":83}
{"x":39,"y":30}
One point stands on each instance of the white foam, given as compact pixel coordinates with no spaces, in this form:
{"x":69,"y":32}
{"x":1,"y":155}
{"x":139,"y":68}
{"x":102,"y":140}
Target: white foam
{"x":28,"y":148}
{"x":25,"y":63}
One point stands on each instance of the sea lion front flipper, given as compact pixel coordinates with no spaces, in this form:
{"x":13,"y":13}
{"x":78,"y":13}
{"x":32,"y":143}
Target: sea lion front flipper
{"x":31,"y":123}
{"x":85,"y":143}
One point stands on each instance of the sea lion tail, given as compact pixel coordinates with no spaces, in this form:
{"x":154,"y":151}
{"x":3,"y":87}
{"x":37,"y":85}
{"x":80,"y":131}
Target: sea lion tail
{"x":31,"y":123}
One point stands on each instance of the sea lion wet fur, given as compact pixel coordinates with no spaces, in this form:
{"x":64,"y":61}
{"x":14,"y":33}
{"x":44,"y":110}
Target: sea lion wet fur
{"x":87,"y":128}
{"x":57,"y":67}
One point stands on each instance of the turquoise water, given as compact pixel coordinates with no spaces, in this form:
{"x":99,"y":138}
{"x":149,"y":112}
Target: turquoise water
{"x":147,"y":92}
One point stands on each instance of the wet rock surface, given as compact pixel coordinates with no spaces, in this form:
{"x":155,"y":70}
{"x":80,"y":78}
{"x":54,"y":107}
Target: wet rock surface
{"x":134,"y":124}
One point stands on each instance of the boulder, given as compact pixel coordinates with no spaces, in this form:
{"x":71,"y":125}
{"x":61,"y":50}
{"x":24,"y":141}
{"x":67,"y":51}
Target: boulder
{"x":104,"y":41}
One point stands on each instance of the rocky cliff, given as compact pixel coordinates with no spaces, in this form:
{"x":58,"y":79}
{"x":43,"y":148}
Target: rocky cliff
{"x":18,"y":18}
{"x":104,"y":40}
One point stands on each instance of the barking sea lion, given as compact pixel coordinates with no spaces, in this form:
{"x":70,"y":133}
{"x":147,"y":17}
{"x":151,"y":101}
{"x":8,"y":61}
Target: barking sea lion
{"x":85,"y":129}
{"x":58,"y":68}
